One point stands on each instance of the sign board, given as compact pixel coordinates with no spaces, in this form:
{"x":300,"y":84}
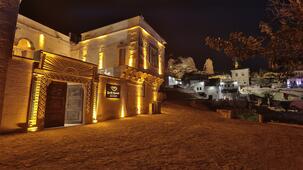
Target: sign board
{"x":113,"y":91}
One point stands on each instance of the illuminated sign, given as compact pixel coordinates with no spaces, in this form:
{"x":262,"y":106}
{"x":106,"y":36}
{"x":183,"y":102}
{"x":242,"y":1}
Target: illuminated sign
{"x":112,"y":91}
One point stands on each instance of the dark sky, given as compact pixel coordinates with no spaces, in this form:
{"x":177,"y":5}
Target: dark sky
{"x":183,"y":24}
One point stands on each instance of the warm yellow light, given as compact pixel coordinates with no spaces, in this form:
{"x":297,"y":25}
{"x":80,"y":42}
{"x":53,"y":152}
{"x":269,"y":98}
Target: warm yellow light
{"x":41,"y":41}
{"x":139,"y":102}
{"x":32,"y":129}
{"x":32,"y":122}
{"x":145,"y":66}
{"x":24,"y":44}
{"x":95,"y":119}
{"x":160,"y":65}
{"x":131,"y":58}
{"x":84,"y":54}
{"x":102,"y":36}
{"x":155,"y":96}
{"x":101,"y":58}
{"x":116,"y":32}
{"x":122,"y":114}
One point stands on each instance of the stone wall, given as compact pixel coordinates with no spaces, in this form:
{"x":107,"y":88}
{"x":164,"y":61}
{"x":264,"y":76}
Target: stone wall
{"x":109,"y":46}
{"x":134,"y":99}
{"x":17,"y":95}
{"x":108,"y":108}
{"x":42,"y":37}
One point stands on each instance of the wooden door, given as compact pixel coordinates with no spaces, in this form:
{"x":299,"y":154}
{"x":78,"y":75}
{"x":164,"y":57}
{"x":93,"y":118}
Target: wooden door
{"x":55,"y":105}
{"x":74,"y":104}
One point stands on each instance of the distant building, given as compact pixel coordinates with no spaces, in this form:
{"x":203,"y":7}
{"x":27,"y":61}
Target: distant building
{"x":296,"y":81}
{"x":173,"y":81}
{"x":241,"y":76}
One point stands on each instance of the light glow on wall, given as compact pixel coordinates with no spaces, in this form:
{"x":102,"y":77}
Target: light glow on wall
{"x":122,"y":114}
{"x":131,"y":58}
{"x":160,"y":65}
{"x":145,"y":65}
{"x":139,"y":100}
{"x":101,"y":58}
{"x":129,"y":29}
{"x":84,"y":54}
{"x":41,"y":41}
{"x":95,"y":119}
{"x":155,"y":95}
{"x":24,"y":44}
{"x":32,"y":122}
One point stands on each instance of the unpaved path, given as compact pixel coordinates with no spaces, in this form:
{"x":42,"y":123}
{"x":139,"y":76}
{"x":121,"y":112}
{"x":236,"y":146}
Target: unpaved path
{"x":180,"y":138}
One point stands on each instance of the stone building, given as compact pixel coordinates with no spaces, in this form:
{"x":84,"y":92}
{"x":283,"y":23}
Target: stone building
{"x":132,"y":51}
{"x":241,"y":76}
{"x":114,"y":72}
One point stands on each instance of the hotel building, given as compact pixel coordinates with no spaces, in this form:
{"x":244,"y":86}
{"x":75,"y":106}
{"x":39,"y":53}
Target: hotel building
{"x":113,"y":72}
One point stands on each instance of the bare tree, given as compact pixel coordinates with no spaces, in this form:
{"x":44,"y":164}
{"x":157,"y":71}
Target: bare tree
{"x":287,"y":11}
{"x":8,"y":18}
{"x":284,"y":46}
{"x":238,"y":46}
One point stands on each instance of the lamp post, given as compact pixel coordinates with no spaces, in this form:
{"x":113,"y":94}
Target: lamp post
{"x":8,"y":18}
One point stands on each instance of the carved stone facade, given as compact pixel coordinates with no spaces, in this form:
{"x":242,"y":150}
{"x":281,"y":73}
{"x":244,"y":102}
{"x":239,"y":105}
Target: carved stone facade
{"x":58,"y":68}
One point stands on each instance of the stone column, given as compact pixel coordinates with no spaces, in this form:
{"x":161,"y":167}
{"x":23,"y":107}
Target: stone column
{"x":8,"y":19}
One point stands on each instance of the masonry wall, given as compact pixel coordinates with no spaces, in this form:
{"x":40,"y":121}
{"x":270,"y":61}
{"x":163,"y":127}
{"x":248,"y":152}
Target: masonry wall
{"x":108,"y":108}
{"x":109,"y":46}
{"x":42,"y":37}
{"x":148,"y":40}
{"x":17,"y":95}
{"x":135,"y":99}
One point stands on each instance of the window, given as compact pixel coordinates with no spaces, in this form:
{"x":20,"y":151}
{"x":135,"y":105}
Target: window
{"x":153,"y":56}
{"x":236,"y":74}
{"x":122,"y":53}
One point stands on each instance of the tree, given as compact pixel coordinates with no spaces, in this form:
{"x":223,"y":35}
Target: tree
{"x":287,"y":12}
{"x":8,"y":17}
{"x":238,"y":46}
{"x":284,"y":46}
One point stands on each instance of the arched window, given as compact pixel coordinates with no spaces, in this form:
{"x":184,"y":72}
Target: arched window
{"x":25,"y":44}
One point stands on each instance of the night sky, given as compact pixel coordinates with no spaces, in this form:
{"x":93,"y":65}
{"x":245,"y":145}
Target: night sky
{"x":183,"y":24}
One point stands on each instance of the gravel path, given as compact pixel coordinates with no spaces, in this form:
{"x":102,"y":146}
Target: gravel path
{"x":180,"y":138}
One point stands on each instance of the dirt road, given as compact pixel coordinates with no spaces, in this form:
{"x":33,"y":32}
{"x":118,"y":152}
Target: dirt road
{"x":180,"y":138}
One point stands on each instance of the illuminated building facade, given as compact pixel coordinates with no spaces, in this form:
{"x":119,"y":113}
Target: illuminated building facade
{"x":130,"y":55}
{"x":114,"y":72}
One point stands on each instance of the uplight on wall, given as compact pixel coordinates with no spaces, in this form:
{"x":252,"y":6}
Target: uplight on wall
{"x":122,"y":114}
{"x":145,"y":66}
{"x":41,"y":41}
{"x":139,"y":102}
{"x":95,"y":119}
{"x":131,"y":58}
{"x":84,"y":54}
{"x":101,"y":58}
{"x":160,"y":65}
{"x":32,"y":122}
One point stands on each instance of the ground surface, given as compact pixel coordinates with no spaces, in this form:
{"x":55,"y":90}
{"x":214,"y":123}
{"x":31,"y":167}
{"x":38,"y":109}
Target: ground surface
{"x":181,"y":138}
